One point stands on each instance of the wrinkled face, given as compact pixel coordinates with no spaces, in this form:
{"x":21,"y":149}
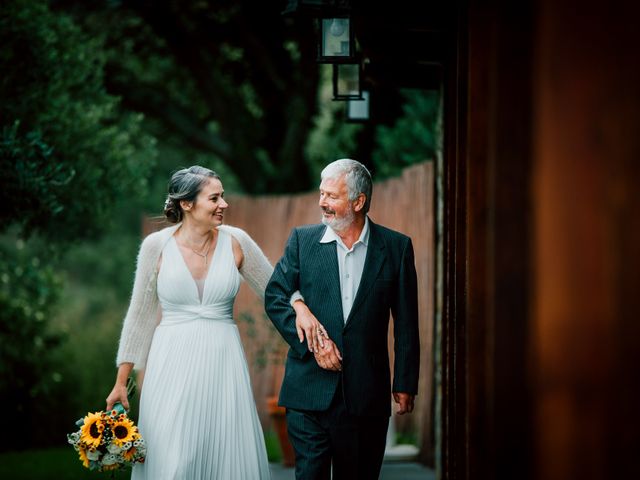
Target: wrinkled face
{"x":209,"y":206}
{"x":337,"y":211}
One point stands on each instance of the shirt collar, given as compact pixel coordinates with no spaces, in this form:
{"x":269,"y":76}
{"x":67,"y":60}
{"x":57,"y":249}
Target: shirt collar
{"x":330,"y":235}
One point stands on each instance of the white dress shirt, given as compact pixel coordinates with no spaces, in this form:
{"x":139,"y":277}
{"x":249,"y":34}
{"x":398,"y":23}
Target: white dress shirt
{"x":350,"y":264}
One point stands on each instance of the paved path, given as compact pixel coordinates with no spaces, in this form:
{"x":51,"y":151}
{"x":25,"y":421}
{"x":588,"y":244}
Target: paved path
{"x":390,"y":471}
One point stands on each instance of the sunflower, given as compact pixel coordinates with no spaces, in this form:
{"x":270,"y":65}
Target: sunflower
{"x":92,"y":430}
{"x":82,"y":453}
{"x":123,"y":431}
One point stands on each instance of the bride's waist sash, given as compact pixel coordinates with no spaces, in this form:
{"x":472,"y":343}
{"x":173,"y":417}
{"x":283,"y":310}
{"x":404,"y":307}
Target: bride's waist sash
{"x":175,"y":314}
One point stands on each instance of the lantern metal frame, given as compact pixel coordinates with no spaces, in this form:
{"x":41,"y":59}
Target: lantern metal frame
{"x":344,"y":87}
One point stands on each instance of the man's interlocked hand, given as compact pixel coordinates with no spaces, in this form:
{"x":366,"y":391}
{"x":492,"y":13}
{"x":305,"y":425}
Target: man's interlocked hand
{"x":328,"y":356}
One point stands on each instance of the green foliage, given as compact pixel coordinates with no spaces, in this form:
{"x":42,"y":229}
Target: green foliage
{"x":274,"y":451}
{"x":70,"y":156}
{"x":92,"y":320}
{"x":222,"y":80}
{"x":331,"y":138}
{"x":171,"y":157}
{"x":55,"y":359}
{"x":103,"y":269}
{"x":67,"y":150}
{"x":413,"y":137}
{"x":54,"y":463}
{"x":62,"y":463}
{"x":407,"y":438}
{"x":29,"y":375}
{"x":34,"y":179}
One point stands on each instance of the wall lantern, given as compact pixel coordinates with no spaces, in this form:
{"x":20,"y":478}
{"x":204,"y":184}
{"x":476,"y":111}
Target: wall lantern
{"x":358,"y":110}
{"x":335,"y":43}
{"x":317,"y":8}
{"x":346,"y":81}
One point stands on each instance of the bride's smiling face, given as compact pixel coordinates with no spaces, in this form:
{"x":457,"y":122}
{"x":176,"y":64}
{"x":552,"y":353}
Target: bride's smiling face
{"x":209,"y":206}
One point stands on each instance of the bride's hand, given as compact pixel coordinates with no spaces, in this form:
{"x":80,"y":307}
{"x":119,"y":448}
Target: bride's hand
{"x":118,"y":394}
{"x":307,"y":325}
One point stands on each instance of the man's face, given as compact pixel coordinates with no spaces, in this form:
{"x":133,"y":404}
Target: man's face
{"x":337,"y":210}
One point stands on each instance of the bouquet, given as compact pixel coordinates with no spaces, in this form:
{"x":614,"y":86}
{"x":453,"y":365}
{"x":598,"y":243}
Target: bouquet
{"x":108,"y":440}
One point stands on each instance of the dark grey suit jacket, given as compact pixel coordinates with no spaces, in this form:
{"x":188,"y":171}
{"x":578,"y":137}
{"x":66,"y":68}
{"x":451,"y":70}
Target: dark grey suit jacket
{"x":388,"y":285}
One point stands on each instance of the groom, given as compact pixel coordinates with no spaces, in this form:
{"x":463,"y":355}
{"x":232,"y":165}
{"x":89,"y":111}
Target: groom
{"x":351,"y":274}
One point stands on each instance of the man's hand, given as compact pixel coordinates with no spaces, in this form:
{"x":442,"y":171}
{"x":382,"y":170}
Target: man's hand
{"x":328,"y":357}
{"x":307,"y":325}
{"x":404,"y":401}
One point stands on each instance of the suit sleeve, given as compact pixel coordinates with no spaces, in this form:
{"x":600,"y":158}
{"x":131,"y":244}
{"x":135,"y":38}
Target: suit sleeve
{"x":405,"y":326}
{"x":283,"y":283}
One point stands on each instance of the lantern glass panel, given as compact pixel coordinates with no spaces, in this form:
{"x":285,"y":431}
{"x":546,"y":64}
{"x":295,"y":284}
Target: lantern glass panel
{"x":346,"y":81}
{"x":336,"y":37}
{"x":358,"y":110}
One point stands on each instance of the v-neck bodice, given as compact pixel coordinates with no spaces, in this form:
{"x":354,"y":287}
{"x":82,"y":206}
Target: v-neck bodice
{"x":178,"y":291}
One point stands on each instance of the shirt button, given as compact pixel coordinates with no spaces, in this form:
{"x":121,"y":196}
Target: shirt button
{"x":347,"y":275}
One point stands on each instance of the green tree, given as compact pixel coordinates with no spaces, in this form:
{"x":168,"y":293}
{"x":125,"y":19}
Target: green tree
{"x":67,"y":150}
{"x":69,"y":154}
{"x":29,"y":380}
{"x":229,"y":82}
{"x":413,"y":136}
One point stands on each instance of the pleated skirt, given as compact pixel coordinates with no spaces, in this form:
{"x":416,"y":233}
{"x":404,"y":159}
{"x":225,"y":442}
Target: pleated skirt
{"x":197,"y":411}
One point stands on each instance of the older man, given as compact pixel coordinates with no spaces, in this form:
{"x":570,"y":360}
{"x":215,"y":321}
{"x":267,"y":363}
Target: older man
{"x":351,"y":274}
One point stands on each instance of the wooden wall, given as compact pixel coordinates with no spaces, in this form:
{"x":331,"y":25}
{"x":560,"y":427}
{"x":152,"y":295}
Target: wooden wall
{"x":585,"y":332}
{"x":542,"y":242}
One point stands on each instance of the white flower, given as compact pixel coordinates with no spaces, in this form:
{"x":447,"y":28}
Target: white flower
{"x":93,"y":455}
{"x":73,"y":438}
{"x":126,"y":446}
{"x":110,"y":459}
{"x":113,"y":448}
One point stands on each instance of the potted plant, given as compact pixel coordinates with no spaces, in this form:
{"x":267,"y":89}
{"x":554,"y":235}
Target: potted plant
{"x":276,"y":412}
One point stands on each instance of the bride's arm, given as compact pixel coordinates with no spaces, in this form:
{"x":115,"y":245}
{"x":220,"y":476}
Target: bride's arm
{"x":256,"y":270}
{"x":307,"y":325}
{"x":140,"y":320}
{"x":253,"y":265}
{"x":119,"y":392}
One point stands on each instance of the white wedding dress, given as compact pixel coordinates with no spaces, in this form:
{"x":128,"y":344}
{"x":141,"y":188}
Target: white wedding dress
{"x":197,"y":412}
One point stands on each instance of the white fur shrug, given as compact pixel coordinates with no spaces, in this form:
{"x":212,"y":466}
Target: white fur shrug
{"x":142,"y":315}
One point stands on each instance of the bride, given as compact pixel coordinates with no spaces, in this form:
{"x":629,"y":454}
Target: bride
{"x":197,"y":412}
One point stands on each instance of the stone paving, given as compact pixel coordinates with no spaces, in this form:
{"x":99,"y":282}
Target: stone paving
{"x":390,"y":471}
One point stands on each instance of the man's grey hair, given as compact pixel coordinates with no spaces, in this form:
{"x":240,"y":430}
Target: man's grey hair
{"x":356,"y":176}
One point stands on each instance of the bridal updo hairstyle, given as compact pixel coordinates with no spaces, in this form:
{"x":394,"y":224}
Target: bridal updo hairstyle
{"x":185,"y":184}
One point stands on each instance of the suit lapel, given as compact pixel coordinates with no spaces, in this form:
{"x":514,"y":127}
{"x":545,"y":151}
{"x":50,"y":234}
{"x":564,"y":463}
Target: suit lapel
{"x":372,"y":264}
{"x":326,"y":260}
